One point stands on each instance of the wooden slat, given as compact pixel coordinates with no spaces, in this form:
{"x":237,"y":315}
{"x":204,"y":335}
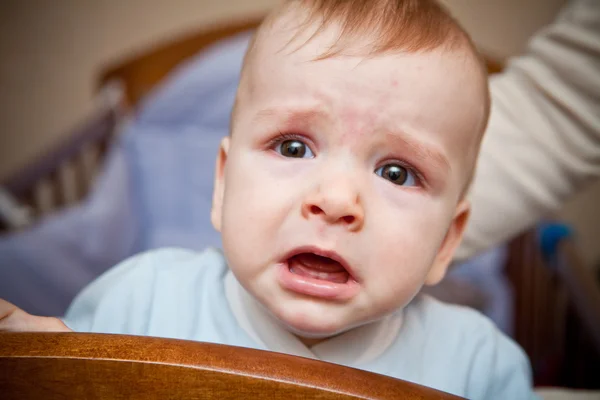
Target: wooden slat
{"x":97,"y":128}
{"x":584,"y":290}
{"x":557,"y":313}
{"x":62,"y":176}
{"x":45,"y":197}
{"x":88,"y":162}
{"x":69,"y":187}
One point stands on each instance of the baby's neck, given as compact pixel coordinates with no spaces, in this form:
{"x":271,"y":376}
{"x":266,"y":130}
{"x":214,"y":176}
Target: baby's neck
{"x":310,"y":342}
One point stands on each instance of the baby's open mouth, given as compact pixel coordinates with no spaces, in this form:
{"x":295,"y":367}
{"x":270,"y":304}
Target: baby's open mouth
{"x":318,"y":267}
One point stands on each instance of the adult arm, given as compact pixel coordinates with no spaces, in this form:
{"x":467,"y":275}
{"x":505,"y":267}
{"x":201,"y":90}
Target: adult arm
{"x":543,"y":141}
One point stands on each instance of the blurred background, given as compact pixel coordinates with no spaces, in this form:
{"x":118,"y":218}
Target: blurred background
{"x":56,"y":54}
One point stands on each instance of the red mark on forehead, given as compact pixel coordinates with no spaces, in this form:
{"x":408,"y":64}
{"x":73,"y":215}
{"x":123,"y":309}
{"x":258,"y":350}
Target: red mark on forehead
{"x":355,"y":123}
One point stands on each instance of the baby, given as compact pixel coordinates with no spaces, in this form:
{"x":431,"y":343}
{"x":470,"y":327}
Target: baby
{"x":339,"y":193}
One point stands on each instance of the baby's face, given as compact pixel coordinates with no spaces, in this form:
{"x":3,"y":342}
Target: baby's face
{"x":338,"y":194}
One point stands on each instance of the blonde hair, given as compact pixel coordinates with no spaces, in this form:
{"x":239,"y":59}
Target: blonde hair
{"x":406,"y":25}
{"x":394,"y":25}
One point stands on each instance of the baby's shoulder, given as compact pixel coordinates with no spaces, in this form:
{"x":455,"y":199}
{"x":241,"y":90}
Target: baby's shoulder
{"x":144,"y":288}
{"x":454,"y":320}
{"x":465,"y":341}
{"x":461,"y":333}
{"x":170,"y":258}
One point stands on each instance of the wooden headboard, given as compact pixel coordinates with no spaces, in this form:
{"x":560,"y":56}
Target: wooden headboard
{"x":140,"y":74}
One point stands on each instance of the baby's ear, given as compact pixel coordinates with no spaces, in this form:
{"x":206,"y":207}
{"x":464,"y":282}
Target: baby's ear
{"x":450,"y":243}
{"x":219,"y":187}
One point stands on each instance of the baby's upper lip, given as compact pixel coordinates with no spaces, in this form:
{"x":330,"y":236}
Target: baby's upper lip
{"x":323,"y":253}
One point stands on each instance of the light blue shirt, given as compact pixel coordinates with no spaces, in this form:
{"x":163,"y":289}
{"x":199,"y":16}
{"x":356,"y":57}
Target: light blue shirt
{"x":181,"y":294}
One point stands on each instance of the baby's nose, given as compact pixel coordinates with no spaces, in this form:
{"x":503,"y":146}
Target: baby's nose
{"x":336,"y":204}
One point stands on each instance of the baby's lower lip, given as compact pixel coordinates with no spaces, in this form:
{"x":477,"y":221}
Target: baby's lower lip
{"x":310,"y":286}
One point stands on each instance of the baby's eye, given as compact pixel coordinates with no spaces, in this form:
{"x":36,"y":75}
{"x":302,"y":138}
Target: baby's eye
{"x":397,"y":174}
{"x":294,"y":148}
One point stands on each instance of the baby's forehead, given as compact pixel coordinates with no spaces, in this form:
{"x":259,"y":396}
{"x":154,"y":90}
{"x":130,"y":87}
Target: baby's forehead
{"x":424,"y":89}
{"x":390,"y":73}
{"x":293,"y":36}
{"x":282,"y":62}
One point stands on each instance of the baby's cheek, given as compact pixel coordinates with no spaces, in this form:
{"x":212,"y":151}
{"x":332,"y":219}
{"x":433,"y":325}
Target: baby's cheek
{"x":250,"y":210}
{"x":402,"y":255}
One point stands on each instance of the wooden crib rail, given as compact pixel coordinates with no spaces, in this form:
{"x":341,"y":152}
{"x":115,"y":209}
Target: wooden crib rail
{"x":94,"y":366}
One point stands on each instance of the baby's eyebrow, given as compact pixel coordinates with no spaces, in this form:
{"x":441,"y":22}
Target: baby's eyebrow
{"x":291,"y":115}
{"x":422,"y":151}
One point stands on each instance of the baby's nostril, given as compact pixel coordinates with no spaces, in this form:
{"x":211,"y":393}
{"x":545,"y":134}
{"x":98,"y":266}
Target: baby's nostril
{"x":315,"y":210}
{"x":349,"y":219}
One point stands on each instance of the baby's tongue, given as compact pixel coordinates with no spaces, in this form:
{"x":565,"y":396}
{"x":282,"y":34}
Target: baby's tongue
{"x":317,"y":267}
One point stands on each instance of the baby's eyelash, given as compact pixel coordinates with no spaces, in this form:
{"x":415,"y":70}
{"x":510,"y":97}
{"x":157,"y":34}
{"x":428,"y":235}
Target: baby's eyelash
{"x":282,"y":137}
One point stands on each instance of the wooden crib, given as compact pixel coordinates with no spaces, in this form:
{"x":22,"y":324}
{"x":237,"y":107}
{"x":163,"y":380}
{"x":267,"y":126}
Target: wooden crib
{"x":557,"y":310}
